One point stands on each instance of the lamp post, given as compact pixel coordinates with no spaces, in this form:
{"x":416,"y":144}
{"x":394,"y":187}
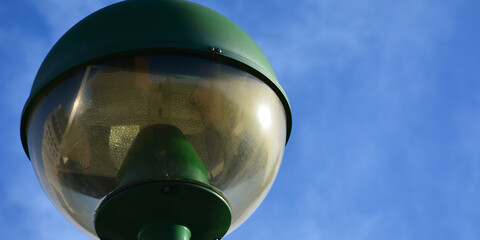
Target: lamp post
{"x":156,"y":119}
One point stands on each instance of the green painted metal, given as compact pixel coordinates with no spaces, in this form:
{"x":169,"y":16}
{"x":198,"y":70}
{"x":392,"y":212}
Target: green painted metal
{"x":161,"y":151}
{"x":152,"y":26}
{"x":167,"y":231}
{"x":163,"y":193}
{"x":129,"y":211}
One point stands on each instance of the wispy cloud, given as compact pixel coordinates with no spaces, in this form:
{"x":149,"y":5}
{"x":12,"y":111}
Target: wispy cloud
{"x":385,"y":137}
{"x":324,"y":37}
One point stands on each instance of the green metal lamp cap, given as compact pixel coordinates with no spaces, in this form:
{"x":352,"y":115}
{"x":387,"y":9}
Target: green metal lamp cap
{"x":152,"y":26}
{"x":163,"y":210}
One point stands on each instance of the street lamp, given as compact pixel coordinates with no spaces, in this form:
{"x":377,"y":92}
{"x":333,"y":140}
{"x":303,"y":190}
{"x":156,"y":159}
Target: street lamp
{"x":156,"y":119}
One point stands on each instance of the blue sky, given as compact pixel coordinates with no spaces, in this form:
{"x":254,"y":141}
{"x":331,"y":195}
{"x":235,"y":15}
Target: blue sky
{"x":386,"y":108}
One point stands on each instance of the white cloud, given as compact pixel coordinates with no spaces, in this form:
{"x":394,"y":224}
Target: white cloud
{"x":346,"y":133}
{"x":324,"y":36}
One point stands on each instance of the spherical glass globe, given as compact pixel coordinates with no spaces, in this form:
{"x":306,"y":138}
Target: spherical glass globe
{"x":81,"y":130}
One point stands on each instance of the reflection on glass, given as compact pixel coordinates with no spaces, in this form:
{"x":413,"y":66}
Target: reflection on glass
{"x":264,"y":116}
{"x":81,"y":130}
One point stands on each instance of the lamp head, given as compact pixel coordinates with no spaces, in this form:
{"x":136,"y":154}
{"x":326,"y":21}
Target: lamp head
{"x":148,"y":94}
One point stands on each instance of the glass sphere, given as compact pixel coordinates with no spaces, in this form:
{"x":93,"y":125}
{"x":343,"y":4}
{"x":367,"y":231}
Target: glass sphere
{"x":82,"y":128}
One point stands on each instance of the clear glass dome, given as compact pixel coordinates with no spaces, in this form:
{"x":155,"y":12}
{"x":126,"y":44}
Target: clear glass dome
{"x":81,"y":129}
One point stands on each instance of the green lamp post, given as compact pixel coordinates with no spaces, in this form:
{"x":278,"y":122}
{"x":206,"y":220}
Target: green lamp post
{"x":156,"y":119}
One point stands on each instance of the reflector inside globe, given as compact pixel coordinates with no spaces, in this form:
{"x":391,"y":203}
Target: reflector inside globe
{"x":82,"y":129}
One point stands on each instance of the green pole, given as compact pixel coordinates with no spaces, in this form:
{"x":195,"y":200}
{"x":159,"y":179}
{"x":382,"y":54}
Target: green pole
{"x":165,"y":231}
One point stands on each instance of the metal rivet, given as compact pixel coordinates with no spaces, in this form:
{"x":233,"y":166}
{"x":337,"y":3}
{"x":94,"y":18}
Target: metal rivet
{"x":215,"y":49}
